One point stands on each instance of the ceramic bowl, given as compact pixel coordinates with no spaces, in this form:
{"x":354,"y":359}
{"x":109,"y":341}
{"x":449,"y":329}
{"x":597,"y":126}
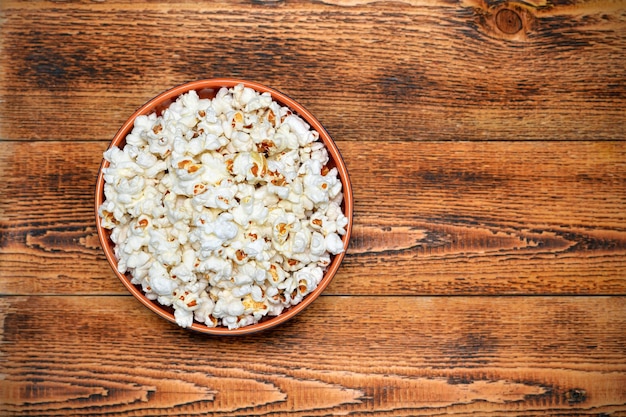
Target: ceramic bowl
{"x":208,"y":89}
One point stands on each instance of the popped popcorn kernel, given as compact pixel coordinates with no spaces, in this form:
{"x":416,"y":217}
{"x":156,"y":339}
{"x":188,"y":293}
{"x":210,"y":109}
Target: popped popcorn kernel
{"x":225,"y":209}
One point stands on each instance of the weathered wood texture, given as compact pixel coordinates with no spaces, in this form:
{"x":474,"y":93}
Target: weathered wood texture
{"x":414,"y":70}
{"x":486,"y":142}
{"x":456,"y":218}
{"x":401,"y":356}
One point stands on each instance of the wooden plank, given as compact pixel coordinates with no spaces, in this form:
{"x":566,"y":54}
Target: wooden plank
{"x":432,"y":79}
{"x":464,"y":218}
{"x":399,"y":356}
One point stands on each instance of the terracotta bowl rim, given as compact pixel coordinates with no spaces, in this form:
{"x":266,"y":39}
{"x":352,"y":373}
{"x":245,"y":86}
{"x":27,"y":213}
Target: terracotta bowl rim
{"x":156,"y":103}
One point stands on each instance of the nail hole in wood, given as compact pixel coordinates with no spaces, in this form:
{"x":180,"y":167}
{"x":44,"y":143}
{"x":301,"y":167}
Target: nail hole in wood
{"x":508,"y":21}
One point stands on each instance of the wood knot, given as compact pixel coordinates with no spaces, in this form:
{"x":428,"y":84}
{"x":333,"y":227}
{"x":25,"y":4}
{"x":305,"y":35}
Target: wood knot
{"x":576,"y":396}
{"x":508,"y":21}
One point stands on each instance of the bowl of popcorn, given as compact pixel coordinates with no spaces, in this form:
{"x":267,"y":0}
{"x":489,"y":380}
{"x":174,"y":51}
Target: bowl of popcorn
{"x":224,"y":206}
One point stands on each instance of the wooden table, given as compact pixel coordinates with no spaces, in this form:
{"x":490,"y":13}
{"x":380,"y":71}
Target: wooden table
{"x":486,"y":273}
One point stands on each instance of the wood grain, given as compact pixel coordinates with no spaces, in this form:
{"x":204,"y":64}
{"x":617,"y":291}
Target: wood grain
{"x":457,"y":218}
{"x":486,"y":142}
{"x":414,"y":70}
{"x":461,"y":355}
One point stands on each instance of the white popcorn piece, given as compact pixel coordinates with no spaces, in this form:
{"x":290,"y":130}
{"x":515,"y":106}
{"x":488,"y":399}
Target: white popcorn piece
{"x":276,"y":275}
{"x":333,"y":242}
{"x":164,"y":249}
{"x":160,"y":280}
{"x":184,"y":318}
{"x":223,"y":208}
{"x":249,"y":166}
{"x":142,"y":125}
{"x":301,"y":129}
{"x":223,"y":101}
{"x":254,"y":309}
{"x":300,"y":240}
{"x":138,"y":259}
{"x":317,"y":151}
{"x":243,"y":95}
{"x":257,"y":249}
{"x":214,"y":168}
{"x":318,"y":244}
{"x":281,"y":228}
{"x":185,"y":300}
{"x":183,"y":273}
{"x":204,"y":313}
{"x":221,"y":196}
{"x":219,"y":268}
{"x":242,"y":142}
{"x":308,"y":278}
{"x":224,"y":226}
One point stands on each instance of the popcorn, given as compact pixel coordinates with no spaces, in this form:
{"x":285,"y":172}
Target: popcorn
{"x":333,"y":243}
{"x":224,"y":208}
{"x":160,"y":281}
{"x":301,"y":130}
{"x":318,"y":244}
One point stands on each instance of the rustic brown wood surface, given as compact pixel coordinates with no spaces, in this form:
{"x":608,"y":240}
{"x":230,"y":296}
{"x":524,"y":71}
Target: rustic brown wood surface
{"x":486,"y":143}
